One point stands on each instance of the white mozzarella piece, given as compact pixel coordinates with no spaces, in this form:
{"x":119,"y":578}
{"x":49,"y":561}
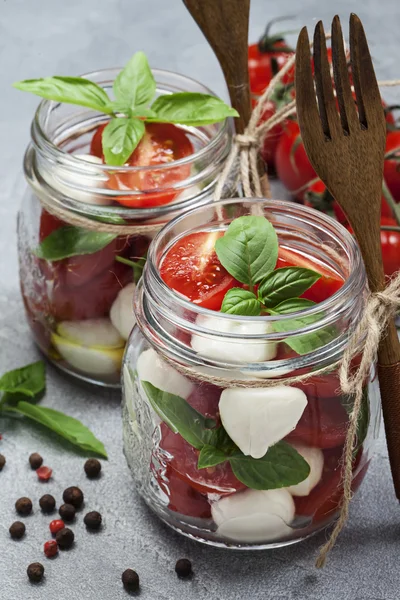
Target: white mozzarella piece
{"x":64,"y":180}
{"x":89,"y":360}
{"x":254,"y":515}
{"x":151,"y":368}
{"x":233,"y":351}
{"x":257,"y":418}
{"x":315,"y":459}
{"x":100,"y":333}
{"x":121,"y":313}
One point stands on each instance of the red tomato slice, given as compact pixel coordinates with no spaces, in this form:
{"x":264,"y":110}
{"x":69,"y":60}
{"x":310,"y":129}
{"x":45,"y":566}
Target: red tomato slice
{"x":214,"y":480}
{"x":324,"y":288}
{"x":323,"y":423}
{"x":192,"y":269}
{"x":205,"y":399}
{"x":183,"y":498}
{"x":48,"y":224}
{"x":162,"y":143}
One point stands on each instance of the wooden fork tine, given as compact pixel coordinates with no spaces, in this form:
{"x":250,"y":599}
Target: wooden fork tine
{"x":369,"y":100}
{"x":348,"y":113}
{"x":306,"y":102}
{"x":323,"y":82}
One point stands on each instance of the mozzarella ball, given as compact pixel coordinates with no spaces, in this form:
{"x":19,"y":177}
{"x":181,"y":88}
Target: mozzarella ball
{"x":257,"y":418}
{"x":254,"y":515}
{"x":68,"y":182}
{"x":315,"y":459}
{"x":150,"y":367}
{"x":121,"y":313}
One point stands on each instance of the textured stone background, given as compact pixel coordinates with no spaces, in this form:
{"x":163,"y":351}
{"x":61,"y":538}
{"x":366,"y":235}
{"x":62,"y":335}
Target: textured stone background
{"x":45,"y":37}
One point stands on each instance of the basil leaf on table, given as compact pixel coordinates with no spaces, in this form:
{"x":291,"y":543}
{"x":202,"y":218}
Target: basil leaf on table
{"x":67,"y":427}
{"x":29,"y":380}
{"x":71,"y":90}
{"x":238,"y":301}
{"x":120,"y":138}
{"x":179,"y":415}
{"x":210,"y":456}
{"x":72,"y":241}
{"x":249,"y":249}
{"x":281,"y":466}
{"x":135,"y":84}
{"x":304,"y":343}
{"x":191,"y":108}
{"x":286,"y":283}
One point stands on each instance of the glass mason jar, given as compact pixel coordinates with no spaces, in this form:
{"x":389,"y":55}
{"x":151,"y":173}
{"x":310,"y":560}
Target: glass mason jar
{"x":83,"y":226}
{"x":182,"y":357}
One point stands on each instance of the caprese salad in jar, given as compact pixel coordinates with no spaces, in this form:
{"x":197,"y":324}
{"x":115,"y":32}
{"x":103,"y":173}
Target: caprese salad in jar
{"x":79,"y":283}
{"x":251,"y":464}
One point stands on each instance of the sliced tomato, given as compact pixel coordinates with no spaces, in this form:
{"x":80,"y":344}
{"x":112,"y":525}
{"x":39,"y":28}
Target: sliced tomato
{"x":183,"y":498}
{"x":323,"y":423}
{"x":192,"y":269}
{"x":324,"y":288}
{"x":205,"y":399}
{"x":162,"y":143}
{"x":48,"y":224}
{"x":183,"y":460}
{"x":91,"y":300}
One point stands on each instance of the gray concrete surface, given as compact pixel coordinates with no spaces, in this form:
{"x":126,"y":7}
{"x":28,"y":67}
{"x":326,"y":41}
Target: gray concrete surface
{"x":45,"y":37}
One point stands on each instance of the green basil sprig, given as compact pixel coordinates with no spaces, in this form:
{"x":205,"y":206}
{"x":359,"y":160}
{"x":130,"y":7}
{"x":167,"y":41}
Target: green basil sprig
{"x":137,"y":265}
{"x":30,"y":382}
{"x":70,"y":241}
{"x":249,"y":252}
{"x":281,"y":466}
{"x":134,"y":89}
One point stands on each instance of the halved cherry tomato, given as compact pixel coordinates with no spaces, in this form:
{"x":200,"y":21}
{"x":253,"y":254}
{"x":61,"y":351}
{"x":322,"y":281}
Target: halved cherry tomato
{"x":162,"y":143}
{"x":205,"y":399}
{"x":183,"y":498}
{"x":323,"y":423}
{"x":192,"y":269}
{"x":213,"y":480}
{"x":48,"y":224}
{"x":324,"y":288}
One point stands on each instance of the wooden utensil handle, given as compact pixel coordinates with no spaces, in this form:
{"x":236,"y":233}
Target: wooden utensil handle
{"x":389,"y":383}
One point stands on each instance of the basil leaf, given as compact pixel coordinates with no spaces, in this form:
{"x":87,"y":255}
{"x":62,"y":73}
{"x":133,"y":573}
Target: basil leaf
{"x":305,"y":343}
{"x":191,"y":108}
{"x":281,"y":466}
{"x":67,"y":427}
{"x":120,"y":138}
{"x":249,"y":249}
{"x":29,"y":380}
{"x":241,"y":302}
{"x":72,"y":241}
{"x":135,"y":84}
{"x":179,"y":415}
{"x":71,"y":90}
{"x":210,"y":456}
{"x":284,"y":283}
{"x":137,"y":265}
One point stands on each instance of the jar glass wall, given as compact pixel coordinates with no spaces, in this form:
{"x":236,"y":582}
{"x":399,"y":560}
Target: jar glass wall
{"x":84,"y":228}
{"x":208,"y":368}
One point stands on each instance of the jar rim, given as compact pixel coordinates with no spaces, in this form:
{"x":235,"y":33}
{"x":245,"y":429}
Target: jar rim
{"x":42,"y":141}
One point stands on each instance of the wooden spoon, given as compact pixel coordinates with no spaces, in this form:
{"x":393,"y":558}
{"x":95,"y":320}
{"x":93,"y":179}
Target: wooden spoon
{"x":348,"y":155}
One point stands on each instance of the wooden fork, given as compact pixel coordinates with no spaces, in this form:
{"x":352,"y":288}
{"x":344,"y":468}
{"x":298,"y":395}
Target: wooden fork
{"x":348,"y":154}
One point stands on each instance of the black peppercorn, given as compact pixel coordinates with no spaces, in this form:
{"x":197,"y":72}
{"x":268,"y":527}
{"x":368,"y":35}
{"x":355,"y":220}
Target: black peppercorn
{"x":47,"y":503}
{"x":17,"y":530}
{"x":65,"y":538}
{"x":35,"y":572}
{"x":73,"y":495}
{"x":2,"y":461}
{"x":67,"y":512}
{"x":93,"y":520}
{"x":35,"y":460}
{"x":183,"y":567}
{"x":92,"y":468}
{"x":130,"y":579}
{"x":23,"y":506}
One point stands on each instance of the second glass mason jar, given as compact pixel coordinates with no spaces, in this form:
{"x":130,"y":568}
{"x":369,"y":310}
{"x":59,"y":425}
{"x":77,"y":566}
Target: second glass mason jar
{"x":186,"y":364}
{"x":77,"y":283}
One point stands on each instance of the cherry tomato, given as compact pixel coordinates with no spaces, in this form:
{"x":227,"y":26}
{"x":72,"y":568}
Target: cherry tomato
{"x":183,"y":498}
{"x":392,"y":165}
{"x":323,"y":423}
{"x":324,"y":288}
{"x":292,"y":165}
{"x":161,"y":144}
{"x":92,"y":299}
{"x":214,"y":480}
{"x":48,"y":224}
{"x":390,"y":241}
{"x":266,"y":58}
{"x":205,"y":399}
{"x":192,"y":269}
